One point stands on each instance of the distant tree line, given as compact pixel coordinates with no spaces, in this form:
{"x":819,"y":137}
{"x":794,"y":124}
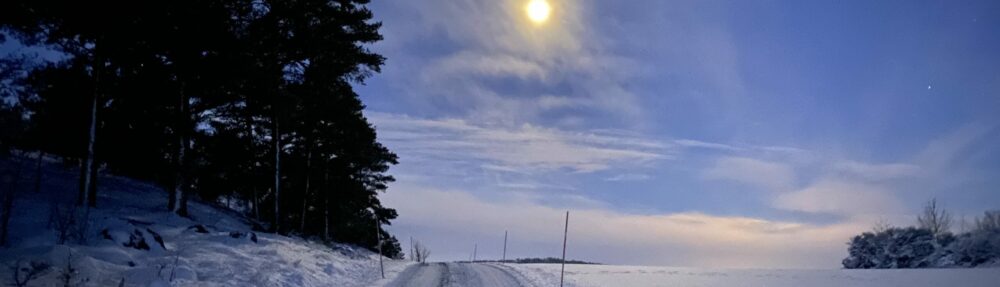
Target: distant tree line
{"x":245,"y":100}
{"x":540,"y":260}
{"x":929,"y":244}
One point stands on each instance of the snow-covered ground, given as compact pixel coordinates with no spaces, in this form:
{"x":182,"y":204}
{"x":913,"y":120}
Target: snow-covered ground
{"x":617,"y":275}
{"x":460,"y":275}
{"x":130,"y":212}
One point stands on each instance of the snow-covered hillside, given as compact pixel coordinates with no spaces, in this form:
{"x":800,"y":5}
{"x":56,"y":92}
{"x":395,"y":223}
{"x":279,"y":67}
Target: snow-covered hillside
{"x":122,"y":241}
{"x":616,"y":275}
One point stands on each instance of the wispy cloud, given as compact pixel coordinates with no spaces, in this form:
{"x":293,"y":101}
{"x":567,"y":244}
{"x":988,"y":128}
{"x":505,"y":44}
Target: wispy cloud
{"x":499,"y":68}
{"x":701,"y":144}
{"x":526,"y":148}
{"x":628,"y":177}
{"x":530,"y":186}
{"x":876,"y":171}
{"x":855,"y":189}
{"x":843,"y":197}
{"x":769,"y":175}
{"x":944,"y":152}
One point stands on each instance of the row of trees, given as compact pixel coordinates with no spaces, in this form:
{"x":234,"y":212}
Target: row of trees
{"x":929,"y":244}
{"x":238,"y":99}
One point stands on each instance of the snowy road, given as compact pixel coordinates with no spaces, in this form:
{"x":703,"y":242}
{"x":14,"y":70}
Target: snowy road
{"x":457,"y":274}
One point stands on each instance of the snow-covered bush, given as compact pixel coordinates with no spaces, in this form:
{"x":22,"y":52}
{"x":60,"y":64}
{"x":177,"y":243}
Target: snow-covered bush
{"x":919,"y":248}
{"x":908,"y":247}
{"x":977,"y":248}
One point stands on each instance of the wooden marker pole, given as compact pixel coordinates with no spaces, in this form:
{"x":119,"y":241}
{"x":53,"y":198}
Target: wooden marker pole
{"x":504,"y":258}
{"x":565,"y":233}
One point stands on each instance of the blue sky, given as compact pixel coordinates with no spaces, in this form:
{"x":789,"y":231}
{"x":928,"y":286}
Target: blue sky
{"x":691,"y":133}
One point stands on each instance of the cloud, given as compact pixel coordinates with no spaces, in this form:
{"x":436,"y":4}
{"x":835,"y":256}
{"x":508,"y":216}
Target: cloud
{"x":944,"y":152}
{"x":845,"y":188}
{"x":598,"y":233}
{"x":769,"y":175}
{"x":876,"y":171}
{"x":841,"y":197}
{"x":628,"y":177}
{"x":465,"y":64}
{"x":708,"y":145}
{"x":526,"y":148}
{"x":530,"y":186}
{"x":848,"y":189}
{"x":485,"y":62}
{"x":782,"y":149}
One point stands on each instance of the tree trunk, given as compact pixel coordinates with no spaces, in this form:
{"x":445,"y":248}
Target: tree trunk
{"x":256,"y":204}
{"x":87,"y":168}
{"x":172,"y":191}
{"x":8,"y":204}
{"x":250,"y":147}
{"x":305,"y":194}
{"x":183,"y":128}
{"x":92,"y":202}
{"x":182,"y":189}
{"x":326,"y":203}
{"x":177,"y":199}
{"x":276,"y":138}
{"x":38,"y":171}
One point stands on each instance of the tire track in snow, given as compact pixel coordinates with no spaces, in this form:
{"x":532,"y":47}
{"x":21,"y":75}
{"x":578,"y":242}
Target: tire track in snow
{"x":457,"y":274}
{"x":419,"y":275}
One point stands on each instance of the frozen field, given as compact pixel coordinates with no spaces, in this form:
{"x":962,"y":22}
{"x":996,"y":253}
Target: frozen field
{"x":614,"y":275}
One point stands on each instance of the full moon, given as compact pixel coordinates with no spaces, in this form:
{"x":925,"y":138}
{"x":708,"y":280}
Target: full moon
{"x":538,"y":10}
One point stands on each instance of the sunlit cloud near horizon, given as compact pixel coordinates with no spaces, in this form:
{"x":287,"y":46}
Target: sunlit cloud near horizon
{"x":722,"y":134}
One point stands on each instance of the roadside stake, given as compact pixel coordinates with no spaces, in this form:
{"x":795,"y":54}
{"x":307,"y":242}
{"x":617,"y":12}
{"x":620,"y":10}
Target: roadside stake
{"x":565,"y":232}
{"x":504,"y":258}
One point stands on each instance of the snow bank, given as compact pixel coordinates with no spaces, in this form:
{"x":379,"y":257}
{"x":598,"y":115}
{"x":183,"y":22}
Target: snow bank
{"x":616,"y":275}
{"x":122,"y":241}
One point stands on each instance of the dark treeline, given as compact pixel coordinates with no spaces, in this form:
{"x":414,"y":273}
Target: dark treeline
{"x":249,"y":100}
{"x":541,"y":260}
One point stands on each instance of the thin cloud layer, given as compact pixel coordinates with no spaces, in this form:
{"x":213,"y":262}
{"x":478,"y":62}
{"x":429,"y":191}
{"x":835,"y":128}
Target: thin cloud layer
{"x":600,"y":234}
{"x":508,"y":71}
{"x":628,"y":177}
{"x":843,"y":198}
{"x":769,"y":175}
{"x":525,"y":148}
{"x":854,"y":193}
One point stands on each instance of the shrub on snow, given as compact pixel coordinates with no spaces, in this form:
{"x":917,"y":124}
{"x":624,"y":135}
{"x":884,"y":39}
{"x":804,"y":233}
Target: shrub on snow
{"x":919,"y":248}
{"x":892,"y":248}
{"x":972,"y":249}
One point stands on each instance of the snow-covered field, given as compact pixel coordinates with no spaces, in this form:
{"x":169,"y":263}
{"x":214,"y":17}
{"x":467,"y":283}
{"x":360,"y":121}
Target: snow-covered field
{"x":617,"y":275}
{"x":225,"y":254}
